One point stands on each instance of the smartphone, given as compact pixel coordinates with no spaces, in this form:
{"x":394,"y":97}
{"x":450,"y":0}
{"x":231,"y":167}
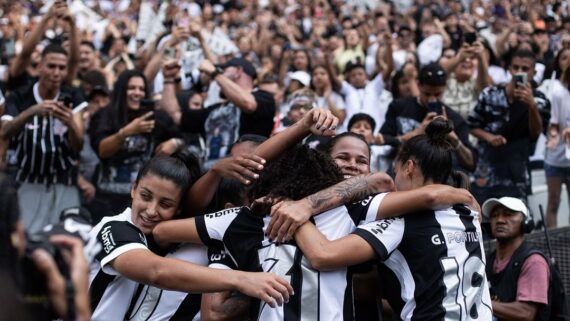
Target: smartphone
{"x":169,"y":53}
{"x":66,"y":100}
{"x":521,"y":79}
{"x":146,"y":106}
{"x":470,"y":37}
{"x":435,"y":107}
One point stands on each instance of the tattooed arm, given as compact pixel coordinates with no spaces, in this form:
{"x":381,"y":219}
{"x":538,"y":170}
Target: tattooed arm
{"x":287,"y":216}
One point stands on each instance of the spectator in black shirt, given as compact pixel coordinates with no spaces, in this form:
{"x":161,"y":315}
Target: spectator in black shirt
{"x":125,"y":136}
{"x":247,"y":110}
{"x":507,"y":120}
{"x":408,"y":117}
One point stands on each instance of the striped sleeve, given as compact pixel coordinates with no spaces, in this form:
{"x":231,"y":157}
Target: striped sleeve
{"x":212,"y":227}
{"x":384,"y":236}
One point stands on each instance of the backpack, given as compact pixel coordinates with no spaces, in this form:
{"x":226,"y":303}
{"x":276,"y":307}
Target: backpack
{"x":558,"y":301}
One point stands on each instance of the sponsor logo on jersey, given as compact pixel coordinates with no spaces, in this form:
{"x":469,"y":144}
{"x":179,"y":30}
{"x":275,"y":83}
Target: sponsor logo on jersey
{"x":107,"y":239}
{"x":218,"y":256}
{"x":222,"y":213}
{"x":382,"y":226}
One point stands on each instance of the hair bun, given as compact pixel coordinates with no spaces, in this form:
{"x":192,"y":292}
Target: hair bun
{"x":438,"y":129}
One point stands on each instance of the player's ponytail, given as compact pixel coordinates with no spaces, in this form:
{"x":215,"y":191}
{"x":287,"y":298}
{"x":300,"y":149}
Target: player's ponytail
{"x":432,"y":151}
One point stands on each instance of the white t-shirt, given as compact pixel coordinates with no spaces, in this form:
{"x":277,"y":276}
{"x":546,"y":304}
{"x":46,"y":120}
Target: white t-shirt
{"x":364,"y":100}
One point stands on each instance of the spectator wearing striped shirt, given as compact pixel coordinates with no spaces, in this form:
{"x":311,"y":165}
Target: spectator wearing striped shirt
{"x":45,"y":122}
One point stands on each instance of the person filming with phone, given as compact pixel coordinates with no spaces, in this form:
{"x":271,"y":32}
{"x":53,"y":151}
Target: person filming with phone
{"x":507,"y":120}
{"x":125,"y":135}
{"x":45,"y":123}
{"x":409,"y":116}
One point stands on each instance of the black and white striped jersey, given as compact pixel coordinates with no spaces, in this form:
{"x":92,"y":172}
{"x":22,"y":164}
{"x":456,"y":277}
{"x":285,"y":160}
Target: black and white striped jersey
{"x":110,"y":292}
{"x":439,"y":262}
{"x":42,"y":145}
{"x":154,"y":304}
{"x":325,"y":296}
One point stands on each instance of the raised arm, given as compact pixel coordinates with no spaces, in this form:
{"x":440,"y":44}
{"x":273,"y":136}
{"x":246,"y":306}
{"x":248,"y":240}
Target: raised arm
{"x":317,"y":121}
{"x":23,"y":59}
{"x":73,"y":46}
{"x":243,"y":168}
{"x":196,"y":31}
{"x":243,"y":99}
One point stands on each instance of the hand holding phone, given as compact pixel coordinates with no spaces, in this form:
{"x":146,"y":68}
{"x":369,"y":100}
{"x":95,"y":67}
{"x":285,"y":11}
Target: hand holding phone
{"x":520,"y":79}
{"x":470,"y":38}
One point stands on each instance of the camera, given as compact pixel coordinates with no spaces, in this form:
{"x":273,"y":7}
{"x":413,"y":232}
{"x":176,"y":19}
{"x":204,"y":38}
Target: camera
{"x":74,"y":222}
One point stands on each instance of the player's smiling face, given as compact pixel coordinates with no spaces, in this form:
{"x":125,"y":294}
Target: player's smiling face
{"x":352,"y":156}
{"x":155,"y":199}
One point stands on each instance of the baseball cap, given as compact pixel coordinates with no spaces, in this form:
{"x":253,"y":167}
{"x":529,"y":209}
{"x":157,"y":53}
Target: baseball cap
{"x":512,"y":203}
{"x":353,"y":64}
{"x":432,"y":75}
{"x":247,"y":66}
{"x":301,"y":76}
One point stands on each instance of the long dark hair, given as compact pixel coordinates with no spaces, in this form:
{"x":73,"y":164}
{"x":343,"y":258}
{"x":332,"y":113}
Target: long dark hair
{"x":431,"y":152}
{"x":558,"y":69}
{"x":297,"y":173}
{"x":119,"y":100}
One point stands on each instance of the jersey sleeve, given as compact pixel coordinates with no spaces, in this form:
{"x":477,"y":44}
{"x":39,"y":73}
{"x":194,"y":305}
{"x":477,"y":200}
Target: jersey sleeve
{"x":117,"y":238}
{"x":532,"y":285}
{"x":219,"y":258}
{"x":366,"y":210}
{"x":212,"y":227}
{"x":384,"y":236}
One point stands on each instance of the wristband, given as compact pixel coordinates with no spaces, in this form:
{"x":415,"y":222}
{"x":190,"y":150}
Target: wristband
{"x":168,"y":82}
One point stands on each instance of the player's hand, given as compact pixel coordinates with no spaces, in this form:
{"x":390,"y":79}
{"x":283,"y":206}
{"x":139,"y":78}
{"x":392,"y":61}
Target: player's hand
{"x":244,"y":168}
{"x":320,"y":122}
{"x":267,"y":287}
{"x":286,"y":217}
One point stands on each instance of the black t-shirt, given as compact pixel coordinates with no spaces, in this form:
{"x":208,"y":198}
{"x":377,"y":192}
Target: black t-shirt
{"x":117,"y":173}
{"x":222,"y":124}
{"x":406,"y":114}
